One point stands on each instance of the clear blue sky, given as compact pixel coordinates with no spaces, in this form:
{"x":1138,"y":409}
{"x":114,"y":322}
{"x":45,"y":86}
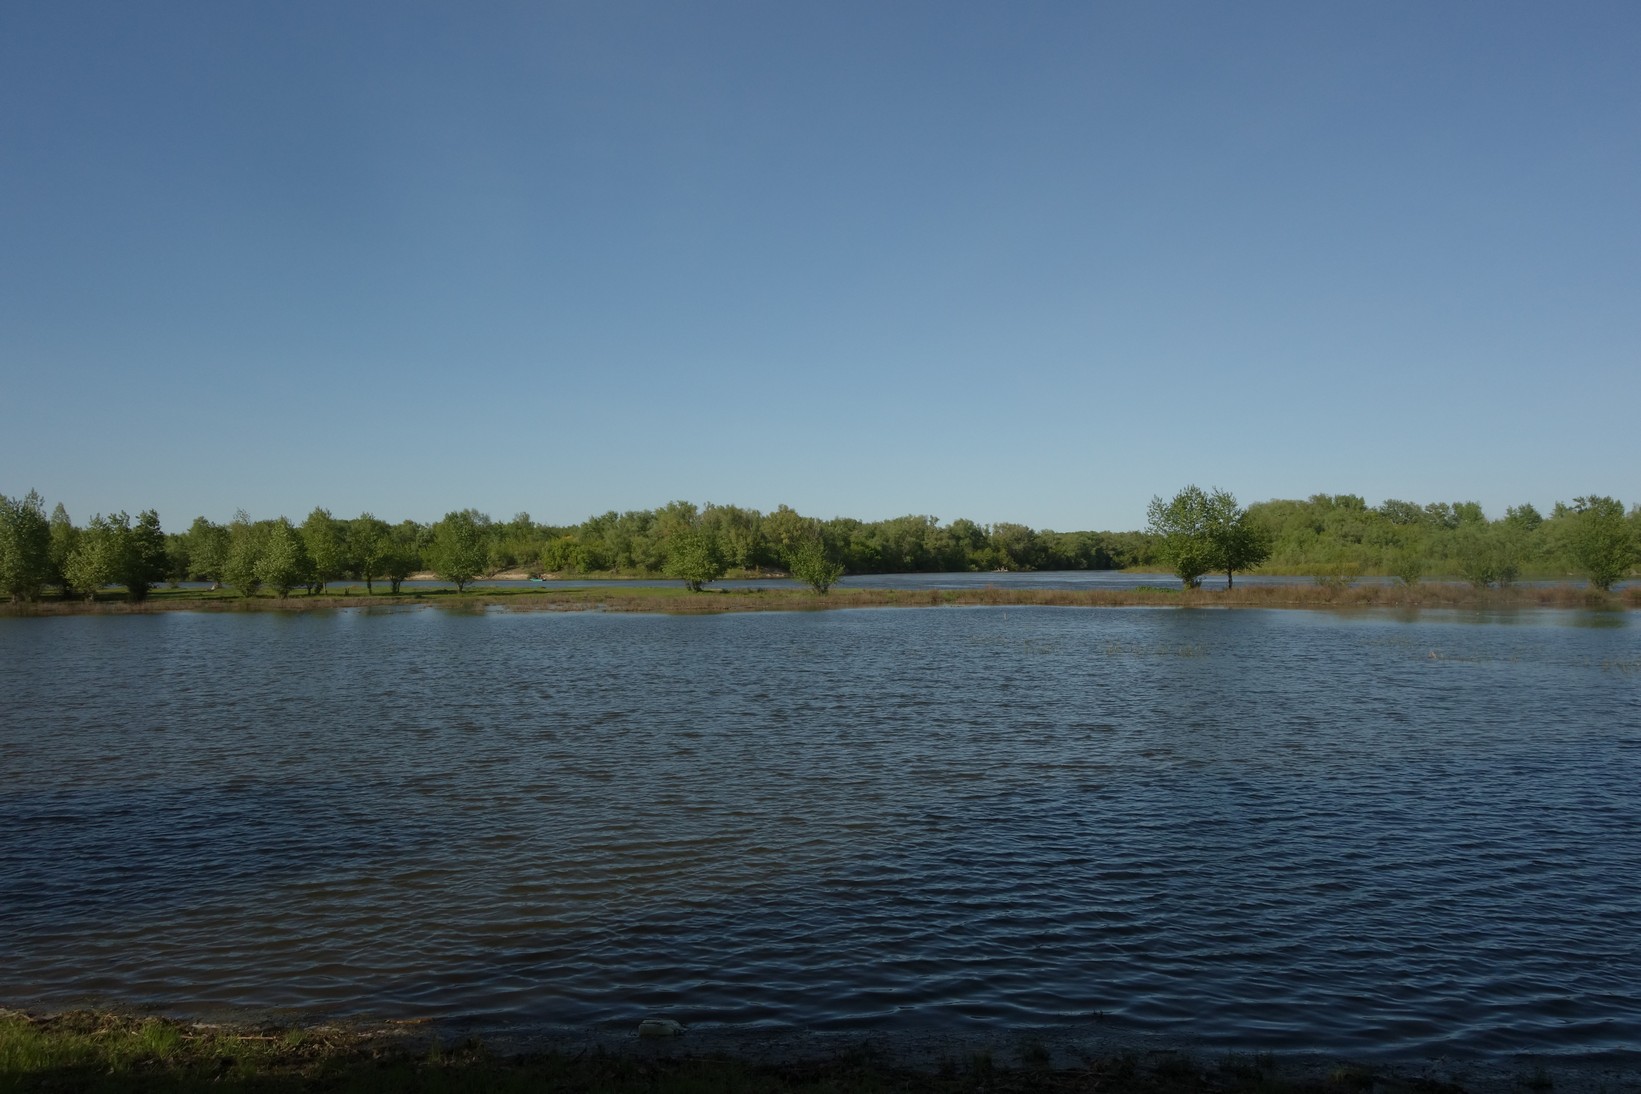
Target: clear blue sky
{"x":1027,"y":262}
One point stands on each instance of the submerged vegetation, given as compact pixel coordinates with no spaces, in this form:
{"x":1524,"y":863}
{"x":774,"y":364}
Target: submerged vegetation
{"x":1335,"y":538}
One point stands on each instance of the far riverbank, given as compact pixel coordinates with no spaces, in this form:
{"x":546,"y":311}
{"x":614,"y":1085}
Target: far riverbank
{"x":620,"y":597}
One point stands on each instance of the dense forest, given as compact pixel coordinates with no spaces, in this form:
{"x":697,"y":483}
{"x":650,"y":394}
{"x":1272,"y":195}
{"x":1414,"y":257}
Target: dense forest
{"x":1335,"y":537}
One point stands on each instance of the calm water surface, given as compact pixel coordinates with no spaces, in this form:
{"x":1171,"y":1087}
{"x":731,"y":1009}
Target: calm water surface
{"x":1351,"y":833}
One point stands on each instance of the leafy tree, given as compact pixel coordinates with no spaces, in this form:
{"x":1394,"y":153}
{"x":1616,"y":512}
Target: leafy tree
{"x":369,"y":543}
{"x":1201,"y":532}
{"x":404,"y":555}
{"x":241,"y":567}
{"x":1403,"y":512}
{"x":1524,"y":517}
{"x":809,"y":563}
{"x":25,"y":546}
{"x":64,"y":539}
{"x":563,"y":554}
{"x":113,"y":551}
{"x":1488,"y":554}
{"x":1599,"y":541}
{"x":1408,"y":565}
{"x":93,"y":562}
{"x":1016,"y":546}
{"x":1237,"y":542}
{"x":784,"y":530}
{"x":143,"y":560}
{"x":325,"y":539}
{"x":284,"y":563}
{"x":693,"y":557}
{"x":738,"y":532}
{"x":178,"y":560}
{"x":460,"y":547}
{"x":208,"y":545}
{"x":1182,"y":527}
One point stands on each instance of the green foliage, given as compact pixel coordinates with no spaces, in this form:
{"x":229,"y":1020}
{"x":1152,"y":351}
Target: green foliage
{"x":809,"y":563}
{"x":1599,"y":542}
{"x":325,"y":540}
{"x":1181,"y":525}
{"x":241,"y":567}
{"x":208,"y":545}
{"x":143,"y":559}
{"x":93,"y":562}
{"x":1408,"y":566}
{"x":369,"y":543}
{"x":1488,"y":554}
{"x":25,"y":546}
{"x":114,"y":551}
{"x":693,"y":557}
{"x":460,"y":547}
{"x":64,"y":539}
{"x":404,"y":553}
{"x":284,"y":563}
{"x":1203,"y":532}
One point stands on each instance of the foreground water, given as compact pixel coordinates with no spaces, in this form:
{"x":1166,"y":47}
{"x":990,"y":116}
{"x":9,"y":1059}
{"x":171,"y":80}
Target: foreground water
{"x":1360,"y":834}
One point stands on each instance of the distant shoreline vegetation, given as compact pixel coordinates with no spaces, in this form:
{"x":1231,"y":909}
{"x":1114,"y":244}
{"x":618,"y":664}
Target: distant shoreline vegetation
{"x":674,"y":600}
{"x":1334,"y":538}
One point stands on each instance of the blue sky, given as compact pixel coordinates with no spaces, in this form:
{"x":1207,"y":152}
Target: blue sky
{"x":1008,"y":262}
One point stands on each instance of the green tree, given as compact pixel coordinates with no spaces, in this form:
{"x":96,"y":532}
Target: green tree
{"x":114,"y":551}
{"x":369,"y":543}
{"x":809,"y":563}
{"x":694,"y":558}
{"x":1487,"y":554}
{"x":207,"y":550}
{"x":1408,"y":565}
{"x":64,"y":539}
{"x":143,"y":559}
{"x":25,"y":546}
{"x":284,"y":563}
{"x":1201,"y":533}
{"x":93,"y":562}
{"x":1599,"y":541}
{"x":404,"y":554}
{"x":241,"y":567}
{"x":460,"y":547}
{"x":325,"y":539}
{"x":1181,"y":526}
{"x":1238,"y":542}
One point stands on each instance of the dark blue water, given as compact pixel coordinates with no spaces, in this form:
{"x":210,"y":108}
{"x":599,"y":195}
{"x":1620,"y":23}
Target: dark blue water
{"x":1359,"y":834}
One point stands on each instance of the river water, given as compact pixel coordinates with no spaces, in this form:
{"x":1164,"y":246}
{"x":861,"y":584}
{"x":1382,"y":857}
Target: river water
{"x":1363,"y":834}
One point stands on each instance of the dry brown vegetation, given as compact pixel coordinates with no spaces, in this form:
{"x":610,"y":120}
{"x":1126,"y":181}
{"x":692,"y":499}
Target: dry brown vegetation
{"x":644,"y":598}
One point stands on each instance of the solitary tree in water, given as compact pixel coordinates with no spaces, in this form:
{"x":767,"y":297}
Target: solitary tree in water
{"x":693,"y":556}
{"x":1599,"y":540}
{"x":1202,"y":533}
{"x":809,"y":563}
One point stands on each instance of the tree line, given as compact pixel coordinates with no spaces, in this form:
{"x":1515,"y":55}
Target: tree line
{"x":694,"y":544}
{"x":1339,"y":536}
{"x":1195,"y":533}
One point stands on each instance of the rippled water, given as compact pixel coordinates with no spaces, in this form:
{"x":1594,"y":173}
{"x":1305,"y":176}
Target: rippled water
{"x":1252,"y":829}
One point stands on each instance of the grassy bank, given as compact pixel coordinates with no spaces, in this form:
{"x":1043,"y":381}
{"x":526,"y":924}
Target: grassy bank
{"x":86,"y":1051}
{"x":646,"y":598}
